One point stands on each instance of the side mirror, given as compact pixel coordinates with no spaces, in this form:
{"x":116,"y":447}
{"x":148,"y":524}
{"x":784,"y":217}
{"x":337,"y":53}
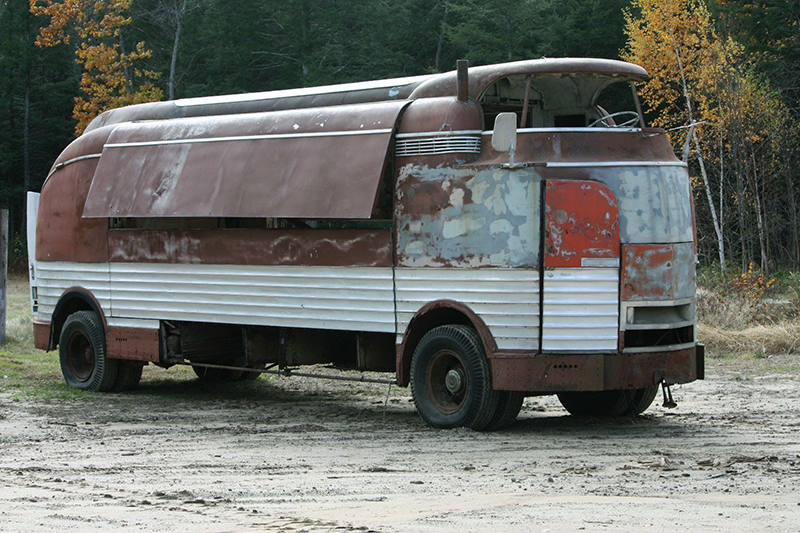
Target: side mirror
{"x":504,"y":136}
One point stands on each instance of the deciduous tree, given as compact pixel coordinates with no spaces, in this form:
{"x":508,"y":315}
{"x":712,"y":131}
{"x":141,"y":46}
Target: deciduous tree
{"x":111,"y":75}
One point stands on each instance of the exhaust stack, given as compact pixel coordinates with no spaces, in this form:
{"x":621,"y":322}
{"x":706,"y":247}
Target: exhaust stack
{"x":462,"y":80}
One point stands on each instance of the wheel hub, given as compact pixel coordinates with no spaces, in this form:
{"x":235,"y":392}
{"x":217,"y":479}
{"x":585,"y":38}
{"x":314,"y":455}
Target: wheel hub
{"x":454,"y":381}
{"x":446,"y":380}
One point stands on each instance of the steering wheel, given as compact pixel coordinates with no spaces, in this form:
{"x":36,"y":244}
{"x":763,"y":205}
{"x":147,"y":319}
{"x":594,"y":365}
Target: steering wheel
{"x":630,"y":122}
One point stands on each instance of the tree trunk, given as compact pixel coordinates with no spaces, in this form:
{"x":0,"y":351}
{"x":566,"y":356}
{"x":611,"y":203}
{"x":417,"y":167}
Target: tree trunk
{"x":793,"y":206}
{"x":26,"y":151}
{"x":176,"y":43}
{"x":437,"y":60}
{"x":760,"y":221}
{"x":3,"y":271}
{"x":706,"y":185}
{"x":126,"y":71}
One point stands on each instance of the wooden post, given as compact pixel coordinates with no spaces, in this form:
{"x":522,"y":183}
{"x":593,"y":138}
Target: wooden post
{"x":3,"y":271}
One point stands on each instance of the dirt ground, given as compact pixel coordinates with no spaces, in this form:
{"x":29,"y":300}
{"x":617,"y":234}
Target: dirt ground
{"x":307,"y":455}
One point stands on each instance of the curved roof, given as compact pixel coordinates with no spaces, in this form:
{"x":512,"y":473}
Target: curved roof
{"x":426,"y":86}
{"x":481,"y":77}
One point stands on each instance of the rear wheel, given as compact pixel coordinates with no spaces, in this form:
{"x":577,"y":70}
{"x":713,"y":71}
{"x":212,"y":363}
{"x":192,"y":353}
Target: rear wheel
{"x":609,"y":402}
{"x":82,"y":353}
{"x":451,"y":380}
{"x":509,"y":404}
{"x":129,"y":373}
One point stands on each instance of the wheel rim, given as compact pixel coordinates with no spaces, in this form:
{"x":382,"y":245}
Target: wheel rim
{"x":80,"y":356}
{"x":446,"y":380}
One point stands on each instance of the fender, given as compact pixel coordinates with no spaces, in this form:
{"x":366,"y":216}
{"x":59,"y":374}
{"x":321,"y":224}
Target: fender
{"x":71,"y":296}
{"x":431,"y":315}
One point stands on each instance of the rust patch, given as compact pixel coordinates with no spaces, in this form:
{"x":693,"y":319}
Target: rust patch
{"x":547,"y":373}
{"x":591,"y":372}
{"x":306,"y":247}
{"x":314,"y":163}
{"x":135,"y":344}
{"x":658,"y":272}
{"x":41,"y":334}
{"x":61,"y":233}
{"x":581,"y":221}
{"x":638,"y":370}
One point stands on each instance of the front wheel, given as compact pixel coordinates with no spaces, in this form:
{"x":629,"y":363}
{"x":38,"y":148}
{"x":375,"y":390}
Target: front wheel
{"x":82,"y":353}
{"x":451,"y":381}
{"x":609,"y":402}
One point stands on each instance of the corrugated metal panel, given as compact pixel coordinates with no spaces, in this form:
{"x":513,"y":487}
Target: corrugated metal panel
{"x":507,"y":300}
{"x":356,"y":299}
{"x":581,"y":309}
{"x":55,"y":277}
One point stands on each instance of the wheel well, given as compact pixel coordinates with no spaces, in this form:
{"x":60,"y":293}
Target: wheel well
{"x":70,"y":302}
{"x":433,"y":316}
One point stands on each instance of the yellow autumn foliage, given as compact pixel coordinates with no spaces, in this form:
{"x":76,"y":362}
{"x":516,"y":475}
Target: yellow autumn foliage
{"x":110,"y":77}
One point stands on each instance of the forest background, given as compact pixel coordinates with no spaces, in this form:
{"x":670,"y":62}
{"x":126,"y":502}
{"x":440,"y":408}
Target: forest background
{"x":730,"y":66}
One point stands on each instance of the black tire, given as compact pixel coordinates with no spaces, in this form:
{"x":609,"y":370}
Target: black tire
{"x":455,"y":351}
{"x":609,"y":402}
{"x":129,"y":373}
{"x":82,"y":353}
{"x":509,"y":404}
{"x":217,"y":375}
{"x":643,"y":398}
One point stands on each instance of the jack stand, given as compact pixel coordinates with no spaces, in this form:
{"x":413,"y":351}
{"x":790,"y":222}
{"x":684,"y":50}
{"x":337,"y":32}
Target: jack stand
{"x":669,"y":403}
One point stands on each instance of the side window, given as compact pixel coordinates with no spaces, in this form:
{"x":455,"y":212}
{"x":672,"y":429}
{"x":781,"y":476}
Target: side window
{"x":508,"y":96}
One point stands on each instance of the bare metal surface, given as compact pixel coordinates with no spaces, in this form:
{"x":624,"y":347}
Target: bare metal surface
{"x":467,"y":217}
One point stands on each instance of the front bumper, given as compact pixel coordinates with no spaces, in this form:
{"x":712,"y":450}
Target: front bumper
{"x":596,"y":372}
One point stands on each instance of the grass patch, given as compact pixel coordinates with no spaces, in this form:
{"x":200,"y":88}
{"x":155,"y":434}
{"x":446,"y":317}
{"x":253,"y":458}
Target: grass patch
{"x":24,"y":370}
{"x":748,"y":314}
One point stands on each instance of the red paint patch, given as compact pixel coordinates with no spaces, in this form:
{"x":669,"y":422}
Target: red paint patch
{"x":581,"y":220}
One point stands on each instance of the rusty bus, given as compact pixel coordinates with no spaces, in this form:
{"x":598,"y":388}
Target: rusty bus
{"x":486,"y":234}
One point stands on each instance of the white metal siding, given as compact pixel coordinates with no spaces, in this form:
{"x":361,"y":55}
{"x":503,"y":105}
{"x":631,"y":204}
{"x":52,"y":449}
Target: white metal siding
{"x":507,"y":300}
{"x":581,"y":309}
{"x":55,"y":277}
{"x":346,"y":298}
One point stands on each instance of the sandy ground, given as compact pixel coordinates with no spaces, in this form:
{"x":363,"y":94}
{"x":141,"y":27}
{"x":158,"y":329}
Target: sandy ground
{"x":307,"y":455}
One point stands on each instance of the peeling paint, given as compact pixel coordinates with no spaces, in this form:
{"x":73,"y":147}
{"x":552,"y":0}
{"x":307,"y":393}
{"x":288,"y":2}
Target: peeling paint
{"x":467,"y":217}
{"x":658,"y":272}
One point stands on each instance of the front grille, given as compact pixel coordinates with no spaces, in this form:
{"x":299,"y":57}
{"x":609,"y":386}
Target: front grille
{"x":452,"y":144}
{"x":645,"y":338}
